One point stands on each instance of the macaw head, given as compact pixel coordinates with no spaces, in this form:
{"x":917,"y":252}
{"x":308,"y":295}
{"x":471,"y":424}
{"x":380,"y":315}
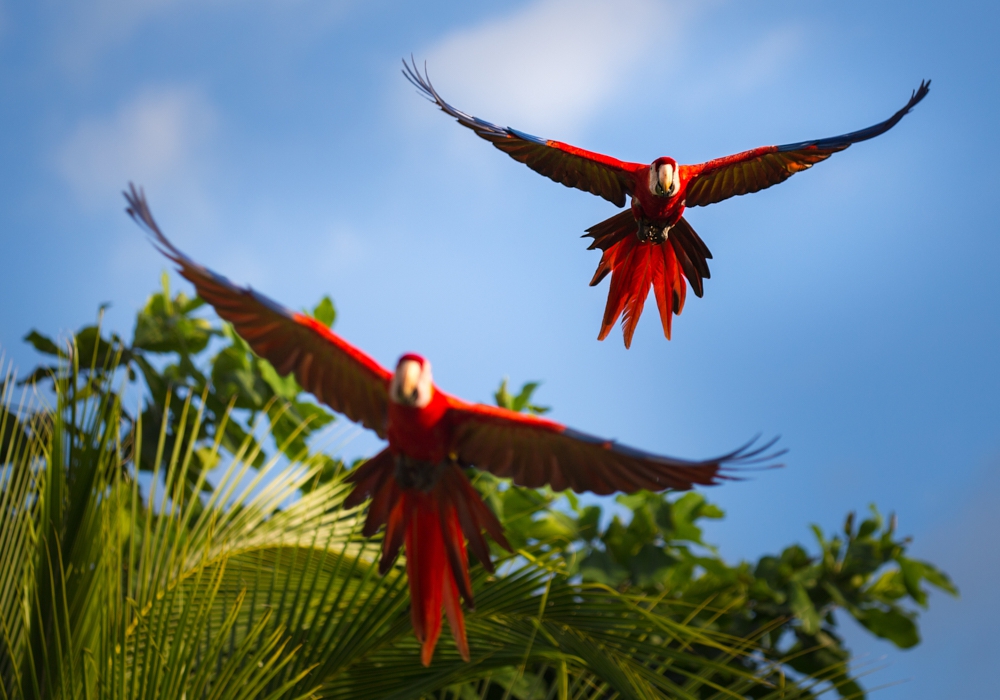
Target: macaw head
{"x":664,"y":178}
{"x":412,"y":384}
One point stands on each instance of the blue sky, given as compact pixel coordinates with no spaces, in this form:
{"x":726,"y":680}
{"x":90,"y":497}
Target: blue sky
{"x":853,"y":309}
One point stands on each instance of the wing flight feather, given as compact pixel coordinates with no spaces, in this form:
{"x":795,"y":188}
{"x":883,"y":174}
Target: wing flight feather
{"x":760,"y":168}
{"x":533,"y":451}
{"x":335,"y":372}
{"x":598,"y":174}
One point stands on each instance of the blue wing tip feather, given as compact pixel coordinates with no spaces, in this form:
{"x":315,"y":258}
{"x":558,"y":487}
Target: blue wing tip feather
{"x":845,"y":140}
{"x":526,"y":137}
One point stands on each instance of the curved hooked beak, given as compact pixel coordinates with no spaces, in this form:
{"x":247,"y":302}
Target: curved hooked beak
{"x":412,"y":384}
{"x":666,"y":176}
{"x":408,"y":390}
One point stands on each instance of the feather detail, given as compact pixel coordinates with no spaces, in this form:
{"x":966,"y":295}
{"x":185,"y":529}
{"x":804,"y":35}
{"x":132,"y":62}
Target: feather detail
{"x":393,"y":539}
{"x":618,"y":259}
{"x":434,"y":526}
{"x":640,"y":279}
{"x":426,"y":568}
{"x":611,"y":230}
{"x":456,"y":621}
{"x":635,"y":266}
{"x":631,"y":278}
{"x":368,"y":477}
{"x":458,"y":582}
{"x":662,"y":285}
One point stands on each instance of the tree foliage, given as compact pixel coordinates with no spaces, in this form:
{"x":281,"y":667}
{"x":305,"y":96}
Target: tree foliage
{"x":178,"y":356}
{"x":130,"y":573}
{"x":790,"y":600}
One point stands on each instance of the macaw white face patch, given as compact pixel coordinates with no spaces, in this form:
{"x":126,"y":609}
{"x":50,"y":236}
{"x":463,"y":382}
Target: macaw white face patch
{"x":412,"y":384}
{"x":663,"y":180}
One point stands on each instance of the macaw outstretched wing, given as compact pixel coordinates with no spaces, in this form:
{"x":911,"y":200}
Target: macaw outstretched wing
{"x":758,"y":169}
{"x":533,"y":452}
{"x":328,"y":367}
{"x":574,"y":167}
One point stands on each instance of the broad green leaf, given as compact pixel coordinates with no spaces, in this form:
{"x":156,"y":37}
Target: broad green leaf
{"x":43,"y":343}
{"x":521,"y":402}
{"x":324,"y":312}
{"x":803,"y":608}
{"x":650,"y":566}
{"x":939,"y":579}
{"x":892,"y":624}
{"x":234,"y":379}
{"x":164,"y":326}
{"x":286,"y":387}
{"x":587,"y":523}
{"x":913,"y":572}
{"x":601,"y":568}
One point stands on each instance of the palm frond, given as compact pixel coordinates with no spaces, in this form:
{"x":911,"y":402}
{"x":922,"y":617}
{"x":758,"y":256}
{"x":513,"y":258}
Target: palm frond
{"x":116,"y":586}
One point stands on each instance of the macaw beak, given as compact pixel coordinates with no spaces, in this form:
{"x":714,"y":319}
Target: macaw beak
{"x":666,"y":175}
{"x":408,"y":374}
{"x":412,"y":384}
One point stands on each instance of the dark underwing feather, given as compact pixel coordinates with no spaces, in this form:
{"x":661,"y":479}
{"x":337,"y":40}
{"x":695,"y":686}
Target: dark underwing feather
{"x":452,"y":548}
{"x":695,"y":250}
{"x":760,"y":168}
{"x":570,"y":166}
{"x":533,"y":452}
{"x":611,"y":230}
{"x":692,"y":253}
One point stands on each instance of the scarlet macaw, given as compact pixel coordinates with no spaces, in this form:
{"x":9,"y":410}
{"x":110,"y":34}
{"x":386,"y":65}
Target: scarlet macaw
{"x":417,"y":485}
{"x":651,"y":244}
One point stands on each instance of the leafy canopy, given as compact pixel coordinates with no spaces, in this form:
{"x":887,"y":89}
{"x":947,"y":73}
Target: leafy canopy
{"x":218,"y":579}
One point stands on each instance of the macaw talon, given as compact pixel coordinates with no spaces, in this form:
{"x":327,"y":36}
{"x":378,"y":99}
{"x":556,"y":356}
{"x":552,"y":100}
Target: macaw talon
{"x":418,"y":474}
{"x":652,"y":232}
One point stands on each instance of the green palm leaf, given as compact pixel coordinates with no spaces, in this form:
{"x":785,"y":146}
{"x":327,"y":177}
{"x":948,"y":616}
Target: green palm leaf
{"x":114,"y":585}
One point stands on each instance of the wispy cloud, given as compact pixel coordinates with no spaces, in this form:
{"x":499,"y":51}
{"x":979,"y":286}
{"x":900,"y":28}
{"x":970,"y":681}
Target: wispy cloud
{"x":554,"y":62}
{"x":157,"y":138}
{"x":549,"y":67}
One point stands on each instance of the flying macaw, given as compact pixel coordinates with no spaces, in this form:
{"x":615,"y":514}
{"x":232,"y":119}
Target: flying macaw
{"x":651,"y":244}
{"x":417,"y":485}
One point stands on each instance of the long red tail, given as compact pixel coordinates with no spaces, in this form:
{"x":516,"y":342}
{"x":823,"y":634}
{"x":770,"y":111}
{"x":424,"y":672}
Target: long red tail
{"x":636,"y":266}
{"x":432,"y":524}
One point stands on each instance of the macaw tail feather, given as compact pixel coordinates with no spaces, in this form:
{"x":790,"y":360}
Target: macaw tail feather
{"x":434,"y":525}
{"x":610,"y":231}
{"x":635,"y":266}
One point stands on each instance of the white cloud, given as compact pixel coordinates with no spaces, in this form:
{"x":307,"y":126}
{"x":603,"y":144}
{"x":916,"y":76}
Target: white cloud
{"x":157,"y":138}
{"x":548,"y":67}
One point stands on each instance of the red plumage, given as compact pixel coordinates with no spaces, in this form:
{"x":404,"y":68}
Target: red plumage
{"x":660,"y":193}
{"x":417,"y":485}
